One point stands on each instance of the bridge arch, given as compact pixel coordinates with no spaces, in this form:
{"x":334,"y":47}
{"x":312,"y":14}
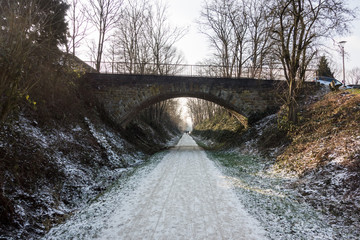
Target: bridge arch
{"x":162,"y":97}
{"x":123,"y":96}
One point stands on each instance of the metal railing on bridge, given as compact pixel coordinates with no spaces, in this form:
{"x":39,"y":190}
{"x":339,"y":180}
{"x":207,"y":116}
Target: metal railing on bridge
{"x":197,"y":70}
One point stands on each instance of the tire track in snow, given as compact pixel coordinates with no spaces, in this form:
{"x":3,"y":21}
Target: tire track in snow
{"x":166,"y":200}
{"x":136,"y":225}
{"x":212,"y":194}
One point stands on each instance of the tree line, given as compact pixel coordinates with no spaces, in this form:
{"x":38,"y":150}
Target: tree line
{"x":242,"y":33}
{"x":136,"y":32}
{"x":201,"y":110}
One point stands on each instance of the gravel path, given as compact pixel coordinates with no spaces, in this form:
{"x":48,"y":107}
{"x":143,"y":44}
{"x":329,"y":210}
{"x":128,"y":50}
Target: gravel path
{"x":184,"y":197}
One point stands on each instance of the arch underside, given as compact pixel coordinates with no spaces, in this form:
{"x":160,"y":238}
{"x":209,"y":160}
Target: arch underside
{"x":162,"y":97}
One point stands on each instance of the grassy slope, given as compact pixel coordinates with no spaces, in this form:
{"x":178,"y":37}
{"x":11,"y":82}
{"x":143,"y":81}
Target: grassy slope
{"x":221,"y":130}
{"x":325,"y":153}
{"x":329,"y":131}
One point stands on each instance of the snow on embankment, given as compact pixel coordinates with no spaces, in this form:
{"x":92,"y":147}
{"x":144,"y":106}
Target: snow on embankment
{"x":325,"y":153}
{"x":49,"y":171}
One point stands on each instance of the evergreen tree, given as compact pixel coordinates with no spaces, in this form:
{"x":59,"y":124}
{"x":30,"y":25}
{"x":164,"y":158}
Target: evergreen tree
{"x":324,"y":68}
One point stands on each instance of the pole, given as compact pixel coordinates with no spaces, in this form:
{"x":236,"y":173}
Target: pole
{"x":343,"y":58}
{"x":342,"y":45}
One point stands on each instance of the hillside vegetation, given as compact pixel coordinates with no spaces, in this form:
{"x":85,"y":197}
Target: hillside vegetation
{"x":325,"y":153}
{"x":329,"y":131}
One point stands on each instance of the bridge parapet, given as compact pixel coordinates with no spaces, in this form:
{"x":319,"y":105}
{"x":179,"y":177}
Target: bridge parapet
{"x":197,"y":70}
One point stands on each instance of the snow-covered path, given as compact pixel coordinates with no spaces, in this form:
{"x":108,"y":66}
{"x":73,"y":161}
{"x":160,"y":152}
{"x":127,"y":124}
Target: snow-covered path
{"x":184,"y":197}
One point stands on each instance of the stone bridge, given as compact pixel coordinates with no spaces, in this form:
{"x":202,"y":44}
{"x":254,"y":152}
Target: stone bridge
{"x":123,"y":96}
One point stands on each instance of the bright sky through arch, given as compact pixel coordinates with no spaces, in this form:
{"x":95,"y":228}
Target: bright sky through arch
{"x":185,"y":113}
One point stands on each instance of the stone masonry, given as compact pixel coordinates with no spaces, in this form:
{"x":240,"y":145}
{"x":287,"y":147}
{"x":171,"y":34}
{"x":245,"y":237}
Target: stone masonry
{"x":124,"y":96}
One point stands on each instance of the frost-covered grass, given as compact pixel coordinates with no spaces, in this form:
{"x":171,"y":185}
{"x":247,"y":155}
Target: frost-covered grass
{"x":46,"y":173}
{"x":328,"y":131}
{"x":270,"y":198}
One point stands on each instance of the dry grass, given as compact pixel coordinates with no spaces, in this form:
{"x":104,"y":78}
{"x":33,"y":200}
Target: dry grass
{"x":223,"y":129}
{"x":329,"y":131}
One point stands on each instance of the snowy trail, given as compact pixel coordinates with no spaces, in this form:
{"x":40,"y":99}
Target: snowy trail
{"x":184,"y":197}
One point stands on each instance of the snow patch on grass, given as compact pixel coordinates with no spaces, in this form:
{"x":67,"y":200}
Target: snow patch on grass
{"x":102,"y":139}
{"x":272,"y":200}
{"x":29,"y":128}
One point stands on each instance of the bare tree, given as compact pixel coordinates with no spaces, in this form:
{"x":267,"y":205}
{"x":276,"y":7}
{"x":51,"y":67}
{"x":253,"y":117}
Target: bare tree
{"x":260,"y":25}
{"x":217,"y":24}
{"x":162,"y":38}
{"x":164,"y":112}
{"x":103,"y":15}
{"x":354,"y":76}
{"x":78,"y":25}
{"x":130,"y":39}
{"x":201,"y":110}
{"x":146,"y":41}
{"x":298,"y":26}
{"x":239,"y":32}
{"x":172,"y":110}
{"x":196,"y":112}
{"x":240,"y":23}
{"x":112,"y":53}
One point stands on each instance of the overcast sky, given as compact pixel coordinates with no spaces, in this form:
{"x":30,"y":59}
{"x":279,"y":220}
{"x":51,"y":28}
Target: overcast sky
{"x":195,"y":47}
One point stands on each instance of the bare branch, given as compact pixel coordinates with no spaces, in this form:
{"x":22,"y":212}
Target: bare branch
{"x":103,"y":15}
